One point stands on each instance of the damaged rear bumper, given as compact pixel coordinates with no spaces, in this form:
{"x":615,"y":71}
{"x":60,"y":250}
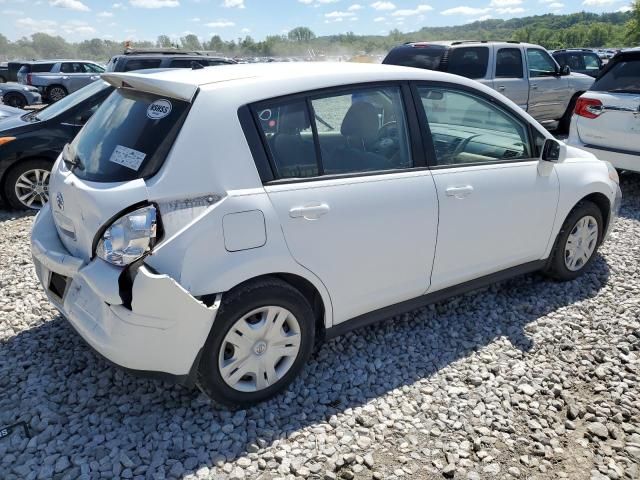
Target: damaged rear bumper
{"x":161,"y":335}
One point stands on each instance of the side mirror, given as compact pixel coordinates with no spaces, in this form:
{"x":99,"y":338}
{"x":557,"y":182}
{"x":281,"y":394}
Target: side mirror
{"x":565,"y":70}
{"x":551,"y":151}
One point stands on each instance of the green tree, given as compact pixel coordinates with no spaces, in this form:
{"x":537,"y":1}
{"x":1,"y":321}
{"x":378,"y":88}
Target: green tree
{"x":164,"y":41}
{"x":301,"y":34}
{"x":633,"y":26}
{"x":191,"y":42}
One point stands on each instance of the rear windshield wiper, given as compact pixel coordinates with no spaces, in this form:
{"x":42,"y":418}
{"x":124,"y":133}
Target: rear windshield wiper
{"x":71,"y":163}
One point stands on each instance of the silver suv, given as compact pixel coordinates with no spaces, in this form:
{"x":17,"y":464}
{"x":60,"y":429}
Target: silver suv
{"x":523,"y":72}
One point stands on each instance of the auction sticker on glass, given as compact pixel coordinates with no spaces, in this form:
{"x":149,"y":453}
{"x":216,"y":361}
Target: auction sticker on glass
{"x":127,"y":157}
{"x":159,"y":109}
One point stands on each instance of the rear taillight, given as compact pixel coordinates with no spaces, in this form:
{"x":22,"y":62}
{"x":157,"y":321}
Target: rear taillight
{"x":28,"y":79}
{"x":588,"y":107}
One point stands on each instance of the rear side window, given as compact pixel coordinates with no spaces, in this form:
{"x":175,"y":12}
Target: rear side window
{"x":41,"y":67}
{"x":128,"y":137}
{"x":184,"y":63}
{"x":509,"y":63}
{"x":360,"y":130}
{"x":142,"y":64}
{"x":470,"y":62}
{"x":623,"y":77}
{"x":419,"y":56}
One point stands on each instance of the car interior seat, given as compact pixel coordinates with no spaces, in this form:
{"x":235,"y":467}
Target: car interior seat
{"x":360,"y":128}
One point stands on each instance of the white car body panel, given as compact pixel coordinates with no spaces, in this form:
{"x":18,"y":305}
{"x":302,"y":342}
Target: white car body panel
{"x":506,"y":220}
{"x":372,"y":248}
{"x":615,"y":134}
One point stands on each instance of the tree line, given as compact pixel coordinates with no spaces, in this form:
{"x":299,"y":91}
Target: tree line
{"x":551,"y":31}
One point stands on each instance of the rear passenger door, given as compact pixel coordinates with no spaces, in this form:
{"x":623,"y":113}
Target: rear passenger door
{"x":357,"y":206}
{"x":509,"y":78}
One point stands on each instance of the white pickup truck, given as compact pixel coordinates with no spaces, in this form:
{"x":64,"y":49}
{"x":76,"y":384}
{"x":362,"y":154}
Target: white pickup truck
{"x":525,"y":73}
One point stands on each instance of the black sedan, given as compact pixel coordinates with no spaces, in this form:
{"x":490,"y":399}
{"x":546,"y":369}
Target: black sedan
{"x":30,"y":143}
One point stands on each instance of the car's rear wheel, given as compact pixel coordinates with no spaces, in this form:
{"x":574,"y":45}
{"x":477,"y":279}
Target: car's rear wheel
{"x":14,"y":99}
{"x":577,"y":242}
{"x":56,"y":92}
{"x":26,"y":185}
{"x":261,"y":338}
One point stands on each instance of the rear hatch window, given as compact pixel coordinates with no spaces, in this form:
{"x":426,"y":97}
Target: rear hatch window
{"x":623,"y":77}
{"x":128,"y":137}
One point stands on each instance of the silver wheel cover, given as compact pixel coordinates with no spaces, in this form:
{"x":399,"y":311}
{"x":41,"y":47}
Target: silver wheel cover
{"x":32,"y":188}
{"x":581,"y":243}
{"x":56,"y":93}
{"x":259,"y":349}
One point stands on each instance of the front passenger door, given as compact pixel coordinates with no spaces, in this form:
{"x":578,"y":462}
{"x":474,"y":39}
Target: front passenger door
{"x":548,"y":91}
{"x":496,"y":207}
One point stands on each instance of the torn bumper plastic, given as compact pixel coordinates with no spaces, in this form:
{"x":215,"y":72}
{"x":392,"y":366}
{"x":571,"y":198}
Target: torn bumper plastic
{"x":164,"y":330}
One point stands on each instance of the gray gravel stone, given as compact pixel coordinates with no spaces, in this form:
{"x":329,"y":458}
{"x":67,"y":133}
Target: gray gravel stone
{"x":517,"y":380}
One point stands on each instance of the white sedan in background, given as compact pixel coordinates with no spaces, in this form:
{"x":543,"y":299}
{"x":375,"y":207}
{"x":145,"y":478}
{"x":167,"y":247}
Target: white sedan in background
{"x":215,"y":224}
{"x":606,"y":121}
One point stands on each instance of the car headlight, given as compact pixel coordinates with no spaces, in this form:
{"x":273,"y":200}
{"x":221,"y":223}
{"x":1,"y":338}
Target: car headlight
{"x":613,"y":173}
{"x":129,"y":238}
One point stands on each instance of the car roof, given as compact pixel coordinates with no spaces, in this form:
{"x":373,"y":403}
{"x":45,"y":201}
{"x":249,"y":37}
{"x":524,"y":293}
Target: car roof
{"x":267,"y":80}
{"x":55,"y":60}
{"x":458,"y":43}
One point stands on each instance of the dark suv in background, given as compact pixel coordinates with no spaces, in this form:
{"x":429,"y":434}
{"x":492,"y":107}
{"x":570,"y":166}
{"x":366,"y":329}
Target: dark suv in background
{"x":579,"y":60}
{"x":162,"y":58}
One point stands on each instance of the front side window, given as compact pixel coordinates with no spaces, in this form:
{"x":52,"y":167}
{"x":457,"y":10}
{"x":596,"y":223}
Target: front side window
{"x":509,"y":63}
{"x":470,"y":62}
{"x":93,"y":68}
{"x":362,"y":130}
{"x":540,"y":63}
{"x":591,"y":61}
{"x":467,"y":129}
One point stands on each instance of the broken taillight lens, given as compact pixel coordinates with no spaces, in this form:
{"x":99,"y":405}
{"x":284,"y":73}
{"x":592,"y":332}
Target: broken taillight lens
{"x":129,"y":238}
{"x":588,"y":107}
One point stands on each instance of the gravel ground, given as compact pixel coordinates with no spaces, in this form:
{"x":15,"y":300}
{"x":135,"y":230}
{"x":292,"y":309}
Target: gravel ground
{"x":527,"y":379}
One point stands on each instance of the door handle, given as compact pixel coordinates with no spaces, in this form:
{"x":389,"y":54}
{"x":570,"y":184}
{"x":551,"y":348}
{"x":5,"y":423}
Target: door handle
{"x":501,"y":88}
{"x":534,"y":86}
{"x":309,"y":212}
{"x":459,"y":192}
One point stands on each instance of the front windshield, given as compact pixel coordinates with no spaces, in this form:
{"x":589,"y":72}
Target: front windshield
{"x":71,"y":100}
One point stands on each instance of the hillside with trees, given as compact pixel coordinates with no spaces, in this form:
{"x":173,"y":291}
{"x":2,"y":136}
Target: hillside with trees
{"x":551,"y":31}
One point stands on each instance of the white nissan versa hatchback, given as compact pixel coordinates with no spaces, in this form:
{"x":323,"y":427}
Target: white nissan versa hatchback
{"x":213,"y":225}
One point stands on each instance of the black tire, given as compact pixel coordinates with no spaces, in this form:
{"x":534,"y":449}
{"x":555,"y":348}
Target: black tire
{"x":14,"y":174}
{"x":557,"y":267}
{"x":56,"y":92}
{"x":565,"y":121}
{"x":235,"y":304}
{"x":14,"y":99}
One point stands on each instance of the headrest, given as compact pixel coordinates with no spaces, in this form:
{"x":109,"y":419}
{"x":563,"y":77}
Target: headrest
{"x":294,"y":118}
{"x":361,"y":121}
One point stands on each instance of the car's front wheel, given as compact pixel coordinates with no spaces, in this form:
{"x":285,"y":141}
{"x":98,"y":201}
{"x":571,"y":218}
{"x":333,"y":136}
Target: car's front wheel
{"x":577,"y":242}
{"x":14,"y":99}
{"x":26,"y":185}
{"x":261,"y":338}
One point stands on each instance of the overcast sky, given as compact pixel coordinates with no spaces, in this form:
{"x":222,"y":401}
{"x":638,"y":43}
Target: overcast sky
{"x":146,"y":19}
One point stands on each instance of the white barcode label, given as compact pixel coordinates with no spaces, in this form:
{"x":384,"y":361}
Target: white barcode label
{"x":127,"y":157}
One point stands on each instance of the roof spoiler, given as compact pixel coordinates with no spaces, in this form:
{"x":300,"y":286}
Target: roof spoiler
{"x":150,"y":84}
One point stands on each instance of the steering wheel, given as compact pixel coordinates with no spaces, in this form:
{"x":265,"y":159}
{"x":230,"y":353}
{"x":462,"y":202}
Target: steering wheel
{"x":387,"y":141}
{"x":461,"y":147}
